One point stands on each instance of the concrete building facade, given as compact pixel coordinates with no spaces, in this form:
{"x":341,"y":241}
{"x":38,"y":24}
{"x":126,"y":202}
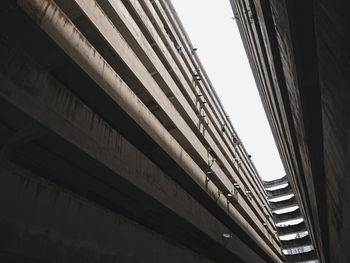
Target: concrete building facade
{"x":299,"y":54}
{"x":114,"y":144}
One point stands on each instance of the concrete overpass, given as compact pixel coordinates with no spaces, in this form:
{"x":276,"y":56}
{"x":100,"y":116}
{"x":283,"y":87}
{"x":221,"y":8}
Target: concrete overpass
{"x":299,"y":53}
{"x":114,"y":144}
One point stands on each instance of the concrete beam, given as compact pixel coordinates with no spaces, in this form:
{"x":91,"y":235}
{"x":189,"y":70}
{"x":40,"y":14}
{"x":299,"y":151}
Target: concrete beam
{"x":277,"y":182}
{"x":291,"y":229}
{"x":283,"y":204}
{"x":77,"y":125}
{"x":287,"y":37}
{"x":247,"y":167}
{"x":283,"y":217}
{"x":306,"y":256}
{"x":29,"y":133}
{"x":41,"y":222}
{"x":123,"y":21}
{"x":297,"y":242}
{"x":87,"y":59}
{"x":169,"y":17}
{"x":177,"y":113}
{"x":287,"y":190}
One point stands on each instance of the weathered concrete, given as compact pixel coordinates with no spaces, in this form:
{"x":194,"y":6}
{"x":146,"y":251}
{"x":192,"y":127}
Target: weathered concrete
{"x":297,"y":242}
{"x":136,"y":40}
{"x":300,"y":58}
{"x":276,"y":182}
{"x":287,"y":216}
{"x":65,"y":41}
{"x":307,"y":256}
{"x":170,"y":18}
{"x":288,"y":203}
{"x":291,"y":229}
{"x":72,"y":120}
{"x":44,"y":223}
{"x":181,"y":105}
{"x":281,"y":192}
{"x":88,"y":102}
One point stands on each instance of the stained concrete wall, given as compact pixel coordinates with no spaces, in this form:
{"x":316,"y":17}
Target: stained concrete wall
{"x":300,"y":58}
{"x":332,"y":25}
{"x":97,"y":100}
{"x":41,"y":222}
{"x":81,"y":152}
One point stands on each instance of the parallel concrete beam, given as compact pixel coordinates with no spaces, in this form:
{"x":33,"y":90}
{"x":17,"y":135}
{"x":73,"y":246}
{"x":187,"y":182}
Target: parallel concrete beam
{"x":283,"y":217}
{"x":287,"y":190}
{"x":41,"y":222}
{"x":119,"y":16}
{"x":87,"y":59}
{"x":79,"y":126}
{"x":108,"y":148}
{"x":168,"y":14}
{"x":185,"y":136}
{"x":276,"y":182}
{"x":267,"y":44}
{"x":297,"y":242}
{"x":283,"y":204}
{"x":29,"y":133}
{"x":291,"y":229}
{"x":306,"y":256}
{"x":245,"y":165}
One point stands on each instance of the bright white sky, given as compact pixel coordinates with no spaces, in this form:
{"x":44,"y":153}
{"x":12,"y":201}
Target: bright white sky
{"x":212,"y":30}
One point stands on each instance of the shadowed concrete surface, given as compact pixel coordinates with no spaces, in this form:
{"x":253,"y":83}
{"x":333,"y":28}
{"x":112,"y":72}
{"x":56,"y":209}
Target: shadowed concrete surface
{"x":62,"y":227}
{"x":299,"y":54}
{"x":112,"y":142}
{"x":290,"y":224}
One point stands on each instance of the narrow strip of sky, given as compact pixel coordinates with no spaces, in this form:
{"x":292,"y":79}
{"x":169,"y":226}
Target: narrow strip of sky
{"x":212,"y":30}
